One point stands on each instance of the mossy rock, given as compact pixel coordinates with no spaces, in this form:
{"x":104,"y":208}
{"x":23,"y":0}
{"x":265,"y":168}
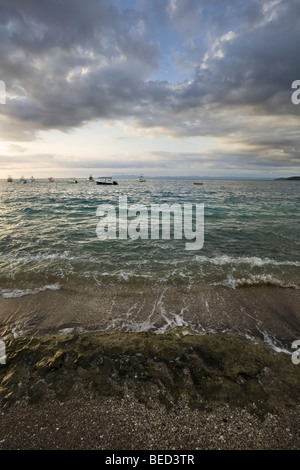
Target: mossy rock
{"x":204,"y":369}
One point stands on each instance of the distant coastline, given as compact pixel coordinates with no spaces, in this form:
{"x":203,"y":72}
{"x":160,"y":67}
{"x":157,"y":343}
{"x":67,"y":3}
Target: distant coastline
{"x":289,"y":178}
{"x":188,"y":177}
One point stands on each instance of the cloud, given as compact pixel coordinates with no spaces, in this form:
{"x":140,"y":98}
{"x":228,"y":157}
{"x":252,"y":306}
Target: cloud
{"x":66,"y":64}
{"x":16,"y":148}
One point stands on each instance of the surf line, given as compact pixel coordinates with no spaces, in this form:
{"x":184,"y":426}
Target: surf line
{"x":159,"y":221}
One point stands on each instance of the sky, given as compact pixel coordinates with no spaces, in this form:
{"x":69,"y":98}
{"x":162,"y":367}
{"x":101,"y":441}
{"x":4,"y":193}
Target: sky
{"x":158,"y":87}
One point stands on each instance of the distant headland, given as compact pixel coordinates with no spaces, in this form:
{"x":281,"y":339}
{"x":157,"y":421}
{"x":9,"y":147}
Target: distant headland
{"x":290,"y":178}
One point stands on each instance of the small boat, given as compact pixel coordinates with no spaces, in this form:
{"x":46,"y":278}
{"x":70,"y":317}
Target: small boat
{"x":22,"y":180}
{"x":198,"y":183}
{"x":50,"y":179}
{"x":141,"y":179}
{"x":106,"y":180}
{"x":32,"y":179}
{"x":9,"y":179}
{"x":74,"y":180}
{"x":90,"y":178}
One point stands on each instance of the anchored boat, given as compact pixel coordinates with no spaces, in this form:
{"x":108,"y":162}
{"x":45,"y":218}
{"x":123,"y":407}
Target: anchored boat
{"x":141,"y":179}
{"x":106,"y":180}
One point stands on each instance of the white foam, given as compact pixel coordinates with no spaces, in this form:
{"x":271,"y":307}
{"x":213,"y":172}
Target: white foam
{"x":17,"y":332}
{"x":252,"y":260}
{"x":38,"y":257}
{"x":173,"y":322}
{"x":13,"y":294}
{"x":254,"y":279}
{"x":67,"y":331}
{"x":271,"y":341}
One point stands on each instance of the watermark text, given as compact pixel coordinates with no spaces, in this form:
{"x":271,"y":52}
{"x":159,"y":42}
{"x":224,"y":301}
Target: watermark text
{"x":2,"y":92}
{"x":296,"y":354}
{"x":159,"y":221}
{"x":2,"y":352}
{"x":296,"y":94}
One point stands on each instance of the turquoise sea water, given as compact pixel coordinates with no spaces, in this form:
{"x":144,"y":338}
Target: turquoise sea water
{"x":48,"y":236}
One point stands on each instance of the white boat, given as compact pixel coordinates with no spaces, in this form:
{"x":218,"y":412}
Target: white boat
{"x":32,"y":179}
{"x":141,"y":179}
{"x":50,"y":179}
{"x":9,"y":179}
{"x":90,"y":178}
{"x":73,"y":180}
{"x":106,"y":180}
{"x":22,"y":180}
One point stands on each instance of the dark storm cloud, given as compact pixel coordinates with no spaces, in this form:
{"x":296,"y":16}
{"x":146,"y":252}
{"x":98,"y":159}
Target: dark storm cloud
{"x":67,"y":63}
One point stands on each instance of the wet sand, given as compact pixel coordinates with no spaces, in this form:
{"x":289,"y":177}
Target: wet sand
{"x":269,"y":313}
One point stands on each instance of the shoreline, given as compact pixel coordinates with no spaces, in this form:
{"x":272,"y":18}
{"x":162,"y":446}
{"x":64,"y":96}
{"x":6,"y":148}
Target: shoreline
{"x":147,"y":391}
{"x":268,"y":313}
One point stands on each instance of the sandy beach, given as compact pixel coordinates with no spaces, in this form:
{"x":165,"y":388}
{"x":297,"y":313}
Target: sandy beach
{"x":126,"y":424}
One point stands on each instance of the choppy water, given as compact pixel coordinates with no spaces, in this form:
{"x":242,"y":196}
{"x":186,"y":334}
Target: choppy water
{"x":48,"y":238}
{"x":48,"y":235}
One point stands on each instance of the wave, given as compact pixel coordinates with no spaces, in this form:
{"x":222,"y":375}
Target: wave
{"x":255,"y":280}
{"x":38,"y":257}
{"x":12,"y":294}
{"x":252,"y":260}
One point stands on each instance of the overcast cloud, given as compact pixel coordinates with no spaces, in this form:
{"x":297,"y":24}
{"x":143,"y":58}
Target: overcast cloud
{"x":185,"y":68}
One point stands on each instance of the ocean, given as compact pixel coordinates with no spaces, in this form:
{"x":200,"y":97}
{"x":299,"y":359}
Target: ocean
{"x":57,"y":275}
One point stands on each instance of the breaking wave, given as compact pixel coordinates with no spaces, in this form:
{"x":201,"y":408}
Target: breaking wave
{"x":255,"y":280}
{"x":253,"y":261}
{"x":10,"y":294}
